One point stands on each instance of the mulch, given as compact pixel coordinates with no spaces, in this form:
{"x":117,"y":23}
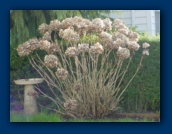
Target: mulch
{"x":136,"y":116}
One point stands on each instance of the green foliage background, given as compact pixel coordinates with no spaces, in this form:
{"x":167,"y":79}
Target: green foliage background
{"x":142,"y":95}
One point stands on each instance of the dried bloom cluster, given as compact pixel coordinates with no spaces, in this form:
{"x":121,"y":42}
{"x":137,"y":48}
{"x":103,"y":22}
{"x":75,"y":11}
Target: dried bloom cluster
{"x":77,"y":87}
{"x":126,"y":36}
{"x":67,"y":23}
{"x":71,"y":51}
{"x":62,"y":74}
{"x":107,"y":24}
{"x":47,"y":36}
{"x":97,"y":24}
{"x":132,"y":45}
{"x":43,"y":28}
{"x":53,"y":48}
{"x":44,"y":45}
{"x":120,"y":27}
{"x":48,"y":47}
{"x":119,"y":39}
{"x":123,"y":53}
{"x":51,"y":60}
{"x":105,"y":37}
{"x":96,"y":49}
{"x":83,"y":47}
{"x":133,"y":36}
{"x":145,"y":45}
{"x":70,"y":105}
{"x":117,"y":35}
{"x":81,"y":24}
{"x":54,"y":25}
{"x":69,"y":35}
{"x":26,"y":48}
{"x":145,"y":50}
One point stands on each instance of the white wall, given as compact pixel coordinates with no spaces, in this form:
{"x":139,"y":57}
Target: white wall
{"x":144,"y":20}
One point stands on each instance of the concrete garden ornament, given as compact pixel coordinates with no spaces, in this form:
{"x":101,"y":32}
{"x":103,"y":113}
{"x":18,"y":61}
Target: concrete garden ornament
{"x":30,"y":104}
{"x":85,"y":63}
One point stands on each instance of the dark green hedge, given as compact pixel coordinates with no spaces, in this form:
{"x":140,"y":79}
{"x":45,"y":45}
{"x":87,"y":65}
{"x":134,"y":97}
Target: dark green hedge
{"x":143,"y":94}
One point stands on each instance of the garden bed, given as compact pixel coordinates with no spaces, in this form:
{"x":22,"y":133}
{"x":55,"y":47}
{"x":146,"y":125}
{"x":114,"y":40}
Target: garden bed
{"x":136,"y":116}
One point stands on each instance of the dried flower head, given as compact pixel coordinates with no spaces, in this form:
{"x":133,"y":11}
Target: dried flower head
{"x":53,"y":48}
{"x":47,"y":36}
{"x":51,"y":60}
{"x":120,"y":42}
{"x":22,"y":50}
{"x":97,"y":24}
{"x":133,"y":36}
{"x":105,"y":37}
{"x":107,"y":24}
{"x":54,"y":25}
{"x":145,"y":52}
{"x":132,"y":45}
{"x":96,"y":49}
{"x":71,"y":51}
{"x":81,"y":23}
{"x":62,"y":74}
{"x":69,"y":35}
{"x":43,"y":28}
{"x":118,"y":24}
{"x":44,"y":45}
{"x":77,"y":87}
{"x":70,"y":105}
{"x":27,"y":47}
{"x":67,"y":23}
{"x":34,"y":44}
{"x":124,"y":30}
{"x":123,"y":53}
{"x":117,"y":35}
{"x":145,"y":45}
{"x":83,"y":47}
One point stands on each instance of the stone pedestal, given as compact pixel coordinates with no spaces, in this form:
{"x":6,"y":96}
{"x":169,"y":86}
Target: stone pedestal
{"x":30,"y":104}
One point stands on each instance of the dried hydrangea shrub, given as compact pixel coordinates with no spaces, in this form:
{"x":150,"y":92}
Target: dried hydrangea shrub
{"x":85,"y":82}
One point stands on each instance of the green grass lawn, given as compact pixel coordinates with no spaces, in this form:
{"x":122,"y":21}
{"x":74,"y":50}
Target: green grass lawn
{"x":43,"y":117}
